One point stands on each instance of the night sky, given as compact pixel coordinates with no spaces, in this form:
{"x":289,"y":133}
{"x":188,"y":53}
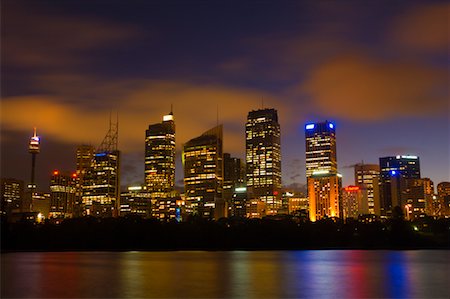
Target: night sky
{"x":379,"y":69}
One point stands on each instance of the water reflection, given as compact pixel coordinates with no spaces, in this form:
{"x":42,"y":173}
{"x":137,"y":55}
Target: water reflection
{"x":235,"y":274}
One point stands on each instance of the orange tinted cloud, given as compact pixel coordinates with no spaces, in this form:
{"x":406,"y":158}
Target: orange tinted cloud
{"x":195,"y":111}
{"x":363,"y":88}
{"x":423,"y":28}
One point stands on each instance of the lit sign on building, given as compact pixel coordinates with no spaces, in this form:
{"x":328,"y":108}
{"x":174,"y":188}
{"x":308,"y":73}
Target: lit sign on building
{"x":352,"y":188}
{"x":310,"y":126}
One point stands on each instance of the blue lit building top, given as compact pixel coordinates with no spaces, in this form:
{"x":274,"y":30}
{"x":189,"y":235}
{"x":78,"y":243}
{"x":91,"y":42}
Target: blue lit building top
{"x":404,"y":166}
{"x":320,"y":141}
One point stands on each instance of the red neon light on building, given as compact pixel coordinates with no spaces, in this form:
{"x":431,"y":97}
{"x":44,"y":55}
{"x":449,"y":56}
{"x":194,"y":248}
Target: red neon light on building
{"x":352,"y":188}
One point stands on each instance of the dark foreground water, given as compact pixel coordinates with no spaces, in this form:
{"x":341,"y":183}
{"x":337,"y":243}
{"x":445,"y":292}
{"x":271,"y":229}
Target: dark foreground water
{"x":234,"y":274}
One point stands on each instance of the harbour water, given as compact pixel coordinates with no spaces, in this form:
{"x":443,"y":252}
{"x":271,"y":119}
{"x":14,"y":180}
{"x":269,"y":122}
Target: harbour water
{"x":227,"y":274}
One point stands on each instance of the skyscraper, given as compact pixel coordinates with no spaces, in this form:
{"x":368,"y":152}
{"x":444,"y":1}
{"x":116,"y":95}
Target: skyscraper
{"x":203,"y":173}
{"x":101,"y":184}
{"x":263,"y":158}
{"x":324,"y":183}
{"x":160,"y":156}
{"x":393,"y":170}
{"x":62,"y":195}
{"x":233,"y":177}
{"x":84,"y":159}
{"x":320,"y":148}
{"x":367,"y":178}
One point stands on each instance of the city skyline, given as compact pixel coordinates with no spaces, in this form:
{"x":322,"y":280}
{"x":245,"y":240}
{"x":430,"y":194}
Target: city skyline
{"x":45,"y":180}
{"x":355,"y":64}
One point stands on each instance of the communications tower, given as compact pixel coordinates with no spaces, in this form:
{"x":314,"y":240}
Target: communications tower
{"x":33,"y":149}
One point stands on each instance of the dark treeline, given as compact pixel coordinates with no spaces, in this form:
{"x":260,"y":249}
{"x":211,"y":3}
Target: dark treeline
{"x":135,"y":233}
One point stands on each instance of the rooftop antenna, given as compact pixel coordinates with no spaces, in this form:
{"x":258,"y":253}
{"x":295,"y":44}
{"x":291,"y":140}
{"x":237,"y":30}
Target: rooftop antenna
{"x":217,"y":120}
{"x":110,"y":142}
{"x":171,"y":109}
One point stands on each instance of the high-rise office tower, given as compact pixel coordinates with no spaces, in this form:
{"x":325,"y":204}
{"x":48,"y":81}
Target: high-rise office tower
{"x":160,"y":156}
{"x":203,"y":174}
{"x":323,"y":181}
{"x":367,"y":178}
{"x":233,"y":177}
{"x":12,"y":194}
{"x":320,"y":148}
{"x":62,"y":195}
{"x":85,"y":154}
{"x":393,"y":170}
{"x":101,"y":185}
{"x":33,"y":149}
{"x":263,"y":158}
{"x":84,"y":158}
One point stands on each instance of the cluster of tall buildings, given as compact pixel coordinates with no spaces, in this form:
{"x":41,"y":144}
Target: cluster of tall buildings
{"x":218,"y":185}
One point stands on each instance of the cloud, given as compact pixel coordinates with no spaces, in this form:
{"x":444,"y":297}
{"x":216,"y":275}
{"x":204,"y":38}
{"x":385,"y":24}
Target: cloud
{"x":195,"y":111}
{"x":360,"y":87}
{"x":37,"y":37}
{"x":423,"y":27}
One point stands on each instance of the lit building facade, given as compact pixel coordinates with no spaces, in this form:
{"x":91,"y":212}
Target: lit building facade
{"x":298,"y":204}
{"x":62,"y":194}
{"x":263,"y":158}
{"x":12,"y":194}
{"x":320,"y":148}
{"x":409,"y":194}
{"x":136,"y":201}
{"x":443,"y":196}
{"x":160,"y":156}
{"x":203,"y":174}
{"x":354,"y":203}
{"x":430,"y":202}
{"x":324,"y":195}
{"x":238,"y":204}
{"x":41,"y":204}
{"x":392,"y":170}
{"x":255,"y":208}
{"x":84,"y":158}
{"x":367,"y":177}
{"x":233,"y":174}
{"x":101,"y":185}
{"x":167,"y":208}
{"x":323,"y":181}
